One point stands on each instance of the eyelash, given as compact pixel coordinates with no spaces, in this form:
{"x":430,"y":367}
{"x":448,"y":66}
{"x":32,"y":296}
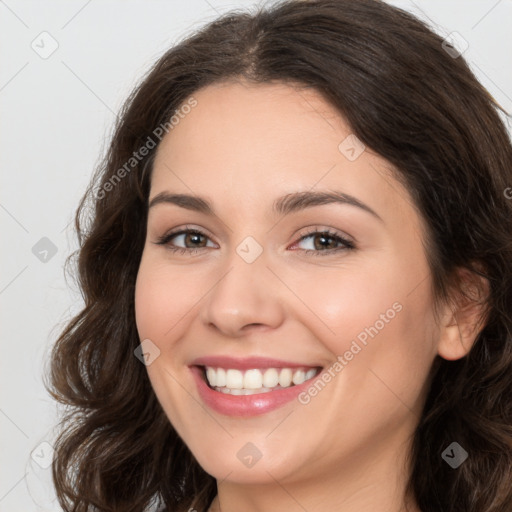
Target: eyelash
{"x":348,"y":245}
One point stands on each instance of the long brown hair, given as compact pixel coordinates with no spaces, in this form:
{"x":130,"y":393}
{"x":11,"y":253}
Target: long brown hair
{"x":408,"y":100}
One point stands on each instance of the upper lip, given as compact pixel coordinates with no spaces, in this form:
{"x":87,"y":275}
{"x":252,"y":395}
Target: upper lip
{"x":247,"y":363}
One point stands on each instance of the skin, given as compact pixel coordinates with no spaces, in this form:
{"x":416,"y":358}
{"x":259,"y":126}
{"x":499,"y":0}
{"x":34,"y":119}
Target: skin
{"x":242,"y":147}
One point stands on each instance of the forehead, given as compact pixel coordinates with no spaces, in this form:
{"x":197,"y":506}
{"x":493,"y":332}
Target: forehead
{"x":253,"y":142}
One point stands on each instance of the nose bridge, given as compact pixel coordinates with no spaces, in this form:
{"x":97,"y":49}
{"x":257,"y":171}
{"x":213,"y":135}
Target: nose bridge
{"x":245,"y":294}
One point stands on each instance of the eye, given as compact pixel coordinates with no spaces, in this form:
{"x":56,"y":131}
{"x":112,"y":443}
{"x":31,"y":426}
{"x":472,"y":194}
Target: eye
{"x":191,"y":240}
{"x":323,"y":241}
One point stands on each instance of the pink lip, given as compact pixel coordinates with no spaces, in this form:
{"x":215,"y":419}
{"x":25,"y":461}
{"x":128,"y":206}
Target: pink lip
{"x":245,"y":405}
{"x":248,"y":363}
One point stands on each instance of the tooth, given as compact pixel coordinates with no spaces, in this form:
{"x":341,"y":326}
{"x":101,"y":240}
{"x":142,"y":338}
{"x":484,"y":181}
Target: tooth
{"x":255,"y":391}
{"x":285,"y":377}
{"x":299,"y":377}
{"x":309,"y":374}
{"x":270,"y":378}
{"x":252,"y":379}
{"x":211,"y":376}
{"x":234,"y":379}
{"x":236,"y":392}
{"x":221,"y":377}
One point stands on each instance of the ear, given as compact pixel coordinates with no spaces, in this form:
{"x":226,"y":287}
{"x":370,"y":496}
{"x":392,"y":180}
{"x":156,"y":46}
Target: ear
{"x":464,"y":316}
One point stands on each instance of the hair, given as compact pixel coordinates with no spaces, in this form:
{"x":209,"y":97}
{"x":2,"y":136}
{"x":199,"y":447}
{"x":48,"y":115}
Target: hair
{"x":405,"y":98}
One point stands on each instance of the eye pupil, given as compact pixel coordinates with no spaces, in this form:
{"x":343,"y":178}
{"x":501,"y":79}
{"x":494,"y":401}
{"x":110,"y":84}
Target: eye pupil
{"x":194,"y":238}
{"x":322,"y":245}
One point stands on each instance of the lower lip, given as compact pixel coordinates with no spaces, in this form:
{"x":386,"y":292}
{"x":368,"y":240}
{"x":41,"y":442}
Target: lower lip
{"x":245,"y":405}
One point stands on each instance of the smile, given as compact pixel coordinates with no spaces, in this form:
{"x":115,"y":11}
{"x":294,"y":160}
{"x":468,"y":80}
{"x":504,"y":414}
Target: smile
{"x":251,"y":386}
{"x":254,"y":381}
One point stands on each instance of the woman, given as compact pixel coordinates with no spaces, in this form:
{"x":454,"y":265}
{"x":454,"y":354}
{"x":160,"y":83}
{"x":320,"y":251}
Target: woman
{"x":297,"y":278}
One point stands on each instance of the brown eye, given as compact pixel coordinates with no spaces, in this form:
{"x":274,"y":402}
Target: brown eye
{"x":194,"y":239}
{"x":185,"y":240}
{"x":324,"y":241}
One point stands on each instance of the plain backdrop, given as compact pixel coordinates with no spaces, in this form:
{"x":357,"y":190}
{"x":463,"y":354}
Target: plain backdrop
{"x":57,"y":112}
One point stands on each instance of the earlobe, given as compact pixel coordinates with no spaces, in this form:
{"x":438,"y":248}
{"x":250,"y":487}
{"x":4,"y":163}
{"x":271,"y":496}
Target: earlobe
{"x":464,"y":317}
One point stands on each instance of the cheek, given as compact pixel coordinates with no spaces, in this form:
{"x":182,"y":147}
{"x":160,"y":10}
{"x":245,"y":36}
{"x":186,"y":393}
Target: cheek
{"x":374,"y":317}
{"x":164,"y":300}
{"x":164,"y":296}
{"x":342,"y":305}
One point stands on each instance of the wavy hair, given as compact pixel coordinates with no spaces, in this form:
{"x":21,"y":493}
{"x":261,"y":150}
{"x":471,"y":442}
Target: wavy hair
{"x":410,"y":101}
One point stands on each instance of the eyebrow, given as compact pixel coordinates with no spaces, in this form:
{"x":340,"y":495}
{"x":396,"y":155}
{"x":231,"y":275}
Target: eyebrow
{"x":284,"y":205}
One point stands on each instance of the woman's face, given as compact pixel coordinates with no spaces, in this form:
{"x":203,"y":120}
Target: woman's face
{"x":268,"y":291}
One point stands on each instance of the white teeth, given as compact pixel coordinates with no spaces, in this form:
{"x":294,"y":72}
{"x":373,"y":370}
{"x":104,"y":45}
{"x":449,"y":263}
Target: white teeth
{"x":253,"y":381}
{"x":228,"y":391}
{"x":211,"y":375}
{"x":221,"y":377}
{"x":271,"y":378}
{"x":285,"y":377}
{"x":234,"y":379}
{"x":299,"y":377}
{"x":309,"y":374}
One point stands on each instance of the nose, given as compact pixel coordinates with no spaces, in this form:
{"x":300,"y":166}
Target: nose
{"x":245,"y":297}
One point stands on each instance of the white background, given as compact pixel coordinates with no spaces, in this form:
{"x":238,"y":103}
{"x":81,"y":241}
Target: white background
{"x":56,"y":116}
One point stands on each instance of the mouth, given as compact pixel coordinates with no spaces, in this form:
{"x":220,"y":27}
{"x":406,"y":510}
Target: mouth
{"x":251,"y":386}
{"x":254,"y":381}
